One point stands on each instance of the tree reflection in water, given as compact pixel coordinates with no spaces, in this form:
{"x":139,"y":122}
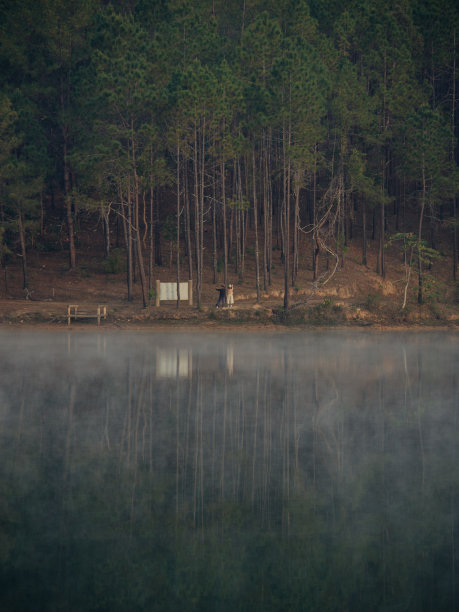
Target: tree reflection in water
{"x":307,"y":471}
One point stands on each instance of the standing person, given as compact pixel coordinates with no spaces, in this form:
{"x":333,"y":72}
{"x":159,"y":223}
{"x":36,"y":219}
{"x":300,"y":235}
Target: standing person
{"x":221,"y":296}
{"x":230,"y":296}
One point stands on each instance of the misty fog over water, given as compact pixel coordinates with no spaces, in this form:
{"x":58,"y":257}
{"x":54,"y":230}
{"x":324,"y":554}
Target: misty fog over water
{"x":229,"y":471}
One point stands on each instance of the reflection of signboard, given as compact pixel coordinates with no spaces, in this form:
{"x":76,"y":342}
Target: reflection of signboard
{"x":168,"y":292}
{"x":172,"y":363}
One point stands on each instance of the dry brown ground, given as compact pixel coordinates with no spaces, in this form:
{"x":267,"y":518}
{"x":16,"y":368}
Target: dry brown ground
{"x":357,"y":293}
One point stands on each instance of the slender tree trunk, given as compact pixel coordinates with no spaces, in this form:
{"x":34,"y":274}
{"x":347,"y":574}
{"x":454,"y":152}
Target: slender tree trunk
{"x":178,"y":225}
{"x":143,"y":280}
{"x":225,"y":245}
{"x":197,"y":217}
{"x":255,"y":222}
{"x":127,"y":220}
{"x":421,"y":215}
{"x":106,"y":216}
{"x":68,"y":208}
{"x":230,"y":233}
{"x":364,"y":233}
{"x":68,"y":198}
{"x":315,"y":238}
{"x":5,"y":270}
{"x":385,"y":115}
{"x":381,"y":241}
{"x":295,"y":233}
{"x":188,"y":227}
{"x":42,"y":214}
{"x":270,"y":214}
{"x":144,"y":218}
{"x":452,"y":155}
{"x":264,"y":158}
{"x":151,"y":245}
{"x":22,"y":239}
{"x":214,"y":229}
{"x":201,"y":220}
{"x":286,"y":215}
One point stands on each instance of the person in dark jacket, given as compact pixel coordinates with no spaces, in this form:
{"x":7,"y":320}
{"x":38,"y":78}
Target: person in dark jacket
{"x":221,"y":296}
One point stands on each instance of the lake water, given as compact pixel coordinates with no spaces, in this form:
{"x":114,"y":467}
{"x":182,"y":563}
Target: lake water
{"x":240,"y":471}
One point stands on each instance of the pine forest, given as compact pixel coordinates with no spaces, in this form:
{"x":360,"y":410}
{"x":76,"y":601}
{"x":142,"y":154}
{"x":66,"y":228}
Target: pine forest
{"x":224,"y":140}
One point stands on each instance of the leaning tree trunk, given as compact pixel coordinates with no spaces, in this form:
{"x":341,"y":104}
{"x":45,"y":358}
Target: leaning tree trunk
{"x":423,"y":202}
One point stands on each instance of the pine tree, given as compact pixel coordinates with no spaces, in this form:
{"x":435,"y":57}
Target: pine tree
{"x":426,"y":161}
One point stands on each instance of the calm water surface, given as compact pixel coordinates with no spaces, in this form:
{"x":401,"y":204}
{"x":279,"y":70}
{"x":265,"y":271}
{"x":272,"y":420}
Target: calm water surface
{"x":200,"y":471}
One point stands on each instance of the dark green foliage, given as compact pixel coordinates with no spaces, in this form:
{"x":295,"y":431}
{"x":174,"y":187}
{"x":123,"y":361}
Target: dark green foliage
{"x":115,"y":262}
{"x":347,"y":107}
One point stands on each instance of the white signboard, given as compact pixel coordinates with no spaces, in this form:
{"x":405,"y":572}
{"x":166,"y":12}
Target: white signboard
{"x":168,"y":291}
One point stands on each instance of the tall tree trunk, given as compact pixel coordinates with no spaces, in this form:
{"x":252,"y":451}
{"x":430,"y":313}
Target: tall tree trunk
{"x":129,"y":248}
{"x":270,"y":212}
{"x":151,"y":244}
{"x":178,"y":224}
{"x":143,"y":280}
{"x":421,"y":215}
{"x":295,"y":233}
{"x":201,"y":220}
{"x":286,"y":214}
{"x":68,"y":208}
{"x":381,"y":240}
{"x":315,"y":237}
{"x":255,"y":222}
{"x":452,"y":156}
{"x":225,"y":245}
{"x":106,"y":216}
{"x":197,"y":217}
{"x":127,"y":226}
{"x":364,"y":233}
{"x":68,"y":198}
{"x":214,"y":228}
{"x":264,"y":158}
{"x":22,"y":239}
{"x":188,"y":226}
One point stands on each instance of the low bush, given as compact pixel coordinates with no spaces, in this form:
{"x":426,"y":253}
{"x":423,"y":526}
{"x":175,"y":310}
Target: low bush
{"x":372,"y":302}
{"x":115,"y":263}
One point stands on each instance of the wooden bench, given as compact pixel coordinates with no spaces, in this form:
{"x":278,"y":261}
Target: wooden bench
{"x":73,"y":312}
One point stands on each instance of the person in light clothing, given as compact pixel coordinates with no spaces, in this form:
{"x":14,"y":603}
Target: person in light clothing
{"x":230,"y":296}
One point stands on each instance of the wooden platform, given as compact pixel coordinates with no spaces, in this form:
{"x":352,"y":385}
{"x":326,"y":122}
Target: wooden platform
{"x":75,"y":312}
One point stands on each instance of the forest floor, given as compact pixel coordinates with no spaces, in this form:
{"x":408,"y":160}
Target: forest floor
{"x":355,"y":295}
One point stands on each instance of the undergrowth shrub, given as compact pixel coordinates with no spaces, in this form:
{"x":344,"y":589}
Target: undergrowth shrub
{"x":372,"y":302}
{"x":325,"y":313}
{"x":115,"y":263}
